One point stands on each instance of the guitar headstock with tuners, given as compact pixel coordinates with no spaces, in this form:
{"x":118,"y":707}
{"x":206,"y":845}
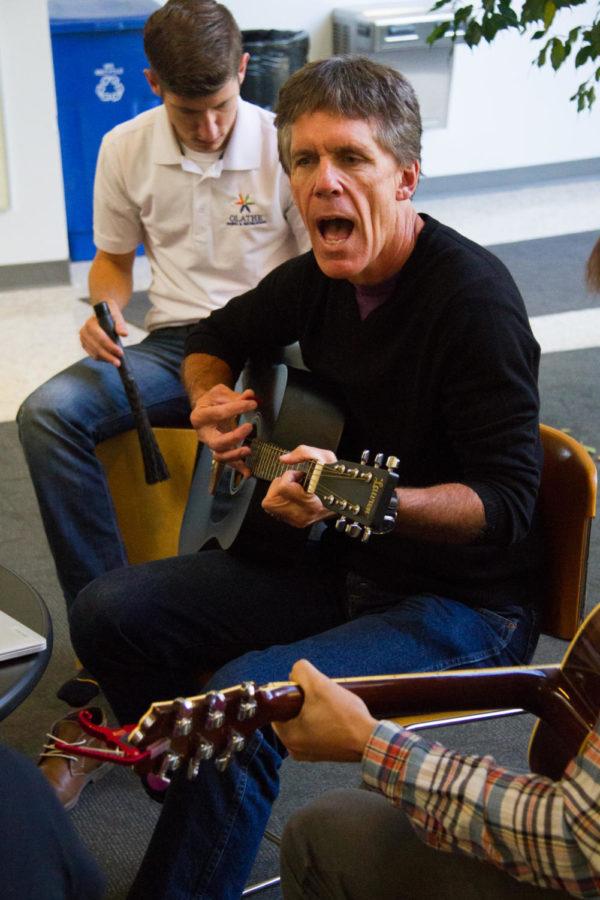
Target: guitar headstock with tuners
{"x":213,"y":726}
{"x":191,"y":730}
{"x":364,"y":495}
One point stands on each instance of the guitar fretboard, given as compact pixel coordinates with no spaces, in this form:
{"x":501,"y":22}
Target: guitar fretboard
{"x":266,"y":465}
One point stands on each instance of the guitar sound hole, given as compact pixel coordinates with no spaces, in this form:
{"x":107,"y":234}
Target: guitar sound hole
{"x":229,"y":486}
{"x":236,"y":481}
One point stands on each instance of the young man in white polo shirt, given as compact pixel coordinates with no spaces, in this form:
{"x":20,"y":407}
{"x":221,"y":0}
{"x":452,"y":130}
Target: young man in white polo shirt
{"x":196,"y":180}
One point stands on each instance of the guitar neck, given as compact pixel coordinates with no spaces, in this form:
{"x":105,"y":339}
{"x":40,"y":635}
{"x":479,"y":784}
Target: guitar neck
{"x":459,"y":690}
{"x":266,"y":465}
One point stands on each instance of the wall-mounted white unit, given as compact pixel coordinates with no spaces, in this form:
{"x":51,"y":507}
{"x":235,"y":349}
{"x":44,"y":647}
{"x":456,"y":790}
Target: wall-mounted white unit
{"x":396,"y":36}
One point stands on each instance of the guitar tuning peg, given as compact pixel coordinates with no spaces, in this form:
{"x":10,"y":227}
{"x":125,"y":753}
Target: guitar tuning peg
{"x":222,"y":761}
{"x":365,"y":457}
{"x":366,"y":534}
{"x":203,"y":752}
{"x":388,"y":522}
{"x":170,"y":763}
{"x":340,"y":525}
{"x":392,"y":463}
{"x":136,"y":736}
{"x":393,"y":504}
{"x":237,"y":742}
{"x":353,"y":529}
{"x":183,"y":719}
{"x":215,"y":716}
{"x":379,"y":460}
{"x":247,"y":707}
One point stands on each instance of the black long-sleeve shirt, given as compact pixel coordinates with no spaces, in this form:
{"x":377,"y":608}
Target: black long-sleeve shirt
{"x":444,"y":375}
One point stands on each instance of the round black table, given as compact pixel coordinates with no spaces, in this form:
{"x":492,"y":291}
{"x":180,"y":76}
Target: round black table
{"x":19,"y":676}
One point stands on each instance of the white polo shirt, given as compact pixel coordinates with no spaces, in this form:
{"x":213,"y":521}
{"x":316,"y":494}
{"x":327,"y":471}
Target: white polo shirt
{"x":208,"y":235}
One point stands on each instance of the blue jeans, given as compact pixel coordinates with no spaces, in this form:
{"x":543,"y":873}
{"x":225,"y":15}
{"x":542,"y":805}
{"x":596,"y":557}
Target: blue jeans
{"x":59,"y":426}
{"x":149,"y":632}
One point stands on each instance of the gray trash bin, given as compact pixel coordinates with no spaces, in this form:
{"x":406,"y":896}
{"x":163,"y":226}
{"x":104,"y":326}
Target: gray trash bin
{"x":274,"y":55}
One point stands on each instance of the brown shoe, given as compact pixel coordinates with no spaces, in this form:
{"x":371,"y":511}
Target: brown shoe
{"x":68,"y":774}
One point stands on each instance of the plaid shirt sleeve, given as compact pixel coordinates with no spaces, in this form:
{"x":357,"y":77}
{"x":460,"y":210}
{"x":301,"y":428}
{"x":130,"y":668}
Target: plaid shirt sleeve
{"x":543,"y":832}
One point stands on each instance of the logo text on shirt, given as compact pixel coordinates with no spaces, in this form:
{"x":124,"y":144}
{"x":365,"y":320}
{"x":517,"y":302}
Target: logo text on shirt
{"x":245,"y":216}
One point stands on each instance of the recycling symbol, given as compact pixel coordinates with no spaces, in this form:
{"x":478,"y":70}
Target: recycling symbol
{"x":110,"y":88}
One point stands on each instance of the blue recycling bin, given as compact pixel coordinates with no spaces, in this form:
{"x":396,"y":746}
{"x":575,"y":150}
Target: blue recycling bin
{"x":98,"y":53}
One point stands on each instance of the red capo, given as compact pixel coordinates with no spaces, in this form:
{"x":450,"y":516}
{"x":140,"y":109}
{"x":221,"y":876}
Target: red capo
{"x":117,"y":750}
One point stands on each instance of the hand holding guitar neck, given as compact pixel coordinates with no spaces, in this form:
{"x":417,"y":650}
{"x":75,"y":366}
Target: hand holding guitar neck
{"x":155,"y":468}
{"x":215,"y":726}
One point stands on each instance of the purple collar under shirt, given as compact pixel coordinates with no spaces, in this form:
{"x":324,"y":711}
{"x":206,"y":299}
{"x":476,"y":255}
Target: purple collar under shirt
{"x":370,"y":296}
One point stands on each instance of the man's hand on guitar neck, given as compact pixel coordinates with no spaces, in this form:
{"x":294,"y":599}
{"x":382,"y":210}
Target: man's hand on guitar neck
{"x":287,"y":499}
{"x":214,"y":417}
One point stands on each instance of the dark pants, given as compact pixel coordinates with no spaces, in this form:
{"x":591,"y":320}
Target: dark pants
{"x":147,"y":632}
{"x":41,"y":855}
{"x":355,"y":845}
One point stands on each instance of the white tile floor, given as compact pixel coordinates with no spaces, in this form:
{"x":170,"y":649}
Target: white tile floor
{"x":38,"y":328}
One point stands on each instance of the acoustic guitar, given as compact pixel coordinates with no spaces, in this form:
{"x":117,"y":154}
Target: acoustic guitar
{"x":225,"y":510}
{"x":214,"y":726}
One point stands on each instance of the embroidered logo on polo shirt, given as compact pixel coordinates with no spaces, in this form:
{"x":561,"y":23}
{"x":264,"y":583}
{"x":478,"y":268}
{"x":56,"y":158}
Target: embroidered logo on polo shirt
{"x":245,"y":216}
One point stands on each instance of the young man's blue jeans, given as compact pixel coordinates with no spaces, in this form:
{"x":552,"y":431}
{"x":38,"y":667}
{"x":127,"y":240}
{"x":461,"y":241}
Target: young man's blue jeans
{"x":148,"y":632}
{"x":59,"y":426}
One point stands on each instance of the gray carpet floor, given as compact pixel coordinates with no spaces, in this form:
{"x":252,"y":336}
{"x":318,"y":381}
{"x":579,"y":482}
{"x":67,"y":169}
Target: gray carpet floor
{"x":114,"y":816}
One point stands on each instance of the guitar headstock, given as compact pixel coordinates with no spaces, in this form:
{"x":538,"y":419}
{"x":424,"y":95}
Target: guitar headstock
{"x":213,"y":726}
{"x":363,"y":495}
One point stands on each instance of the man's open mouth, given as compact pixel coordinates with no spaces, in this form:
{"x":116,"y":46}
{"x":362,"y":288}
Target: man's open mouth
{"x":335,"y":230}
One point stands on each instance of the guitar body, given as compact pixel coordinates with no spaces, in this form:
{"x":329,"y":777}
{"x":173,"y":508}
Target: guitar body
{"x":292,"y":411}
{"x":553,"y":745}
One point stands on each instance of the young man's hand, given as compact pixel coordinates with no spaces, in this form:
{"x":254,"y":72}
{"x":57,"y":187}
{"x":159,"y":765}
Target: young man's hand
{"x":97,"y":343}
{"x":333,"y":724}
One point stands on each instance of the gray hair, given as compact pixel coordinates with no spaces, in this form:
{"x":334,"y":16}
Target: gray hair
{"x":353,"y":87}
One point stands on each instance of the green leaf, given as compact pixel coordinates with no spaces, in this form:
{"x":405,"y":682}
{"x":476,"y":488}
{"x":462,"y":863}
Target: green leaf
{"x":473,"y":33}
{"x":438,"y":32}
{"x":549,"y":13}
{"x":574,"y":33}
{"x":537,"y":35}
{"x":583,"y":54}
{"x":508,"y":13}
{"x":541,"y":60}
{"x":584,"y":96}
{"x":491,"y":25}
{"x":462,"y":15}
{"x":557,"y":54}
{"x":533,"y":11}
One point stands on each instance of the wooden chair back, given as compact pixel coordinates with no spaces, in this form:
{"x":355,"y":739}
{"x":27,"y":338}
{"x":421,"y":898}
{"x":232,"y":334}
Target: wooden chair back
{"x":568,"y":505}
{"x":149,"y":515}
